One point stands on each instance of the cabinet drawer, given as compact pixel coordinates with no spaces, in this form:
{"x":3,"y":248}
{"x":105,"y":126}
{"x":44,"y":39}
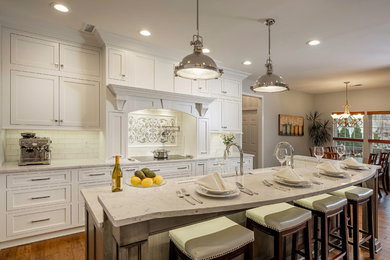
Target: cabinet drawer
{"x":20,"y":199}
{"x":173,"y":170}
{"x":92,"y":185}
{"x":43,"y":221}
{"x":88,"y":175}
{"x":36,"y":179}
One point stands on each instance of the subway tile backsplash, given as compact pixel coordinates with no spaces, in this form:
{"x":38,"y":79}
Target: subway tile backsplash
{"x":66,"y":145}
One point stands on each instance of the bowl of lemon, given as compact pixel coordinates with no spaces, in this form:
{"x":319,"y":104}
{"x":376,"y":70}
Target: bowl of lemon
{"x":146,"y":178}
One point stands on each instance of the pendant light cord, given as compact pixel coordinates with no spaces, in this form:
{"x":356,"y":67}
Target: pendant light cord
{"x":197,"y":17}
{"x":346,"y":93}
{"x":269,"y":41}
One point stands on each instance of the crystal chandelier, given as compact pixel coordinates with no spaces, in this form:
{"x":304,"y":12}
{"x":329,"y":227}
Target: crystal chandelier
{"x":347,"y":119}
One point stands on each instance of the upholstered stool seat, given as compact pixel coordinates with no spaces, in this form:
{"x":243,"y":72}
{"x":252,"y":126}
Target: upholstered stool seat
{"x":324,"y":207}
{"x":279,"y":216}
{"x":353,"y":193}
{"x":210,"y":239}
{"x":323,"y":203}
{"x":280,"y":220}
{"x":358,"y":196}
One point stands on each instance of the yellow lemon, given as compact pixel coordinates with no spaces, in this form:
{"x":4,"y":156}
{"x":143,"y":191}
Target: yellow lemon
{"x":158,"y":180}
{"x":147,"y":182}
{"x":135,"y":181}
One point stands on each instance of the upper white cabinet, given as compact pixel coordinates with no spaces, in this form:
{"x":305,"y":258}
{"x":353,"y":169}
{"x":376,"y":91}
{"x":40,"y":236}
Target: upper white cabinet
{"x":79,"y":102}
{"x":47,"y":55}
{"x":200,"y":88}
{"x":164,"y":75}
{"x":38,"y":53}
{"x":79,"y":60}
{"x":215,"y":86}
{"x":34,"y":99}
{"x":225,"y":115}
{"x":183,"y":86}
{"x":142,"y":70}
{"x":117,"y":65}
{"x":224,"y":88}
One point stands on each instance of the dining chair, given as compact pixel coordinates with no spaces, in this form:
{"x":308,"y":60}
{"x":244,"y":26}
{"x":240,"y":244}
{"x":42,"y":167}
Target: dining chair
{"x":311,"y":151}
{"x":383,"y":172}
{"x":373,"y":158}
{"x":330,"y":155}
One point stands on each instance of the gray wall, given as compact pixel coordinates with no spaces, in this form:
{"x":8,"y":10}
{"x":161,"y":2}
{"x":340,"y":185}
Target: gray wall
{"x":291,"y":103}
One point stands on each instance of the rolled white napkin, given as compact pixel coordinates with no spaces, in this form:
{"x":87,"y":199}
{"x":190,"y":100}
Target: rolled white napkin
{"x":351,"y":162}
{"x":213,"y":181}
{"x":290,"y":175}
{"x":330,"y":168}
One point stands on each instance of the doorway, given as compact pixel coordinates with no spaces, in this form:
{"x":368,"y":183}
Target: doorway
{"x":252,"y":128}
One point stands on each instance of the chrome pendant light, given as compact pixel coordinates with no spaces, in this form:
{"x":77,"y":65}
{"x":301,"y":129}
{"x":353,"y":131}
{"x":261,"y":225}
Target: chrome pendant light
{"x":198,"y":65}
{"x":269,"y":82}
{"x":347,"y":119}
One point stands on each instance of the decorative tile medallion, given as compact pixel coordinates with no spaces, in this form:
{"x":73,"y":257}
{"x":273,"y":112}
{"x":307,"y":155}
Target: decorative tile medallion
{"x":150,"y":130}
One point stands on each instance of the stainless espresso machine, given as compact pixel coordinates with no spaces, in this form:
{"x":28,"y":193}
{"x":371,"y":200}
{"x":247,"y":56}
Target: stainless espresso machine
{"x":34,"y":150}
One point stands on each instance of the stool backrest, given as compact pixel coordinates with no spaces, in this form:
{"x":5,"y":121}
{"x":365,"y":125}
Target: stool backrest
{"x":372,"y":159}
{"x":330,"y":155}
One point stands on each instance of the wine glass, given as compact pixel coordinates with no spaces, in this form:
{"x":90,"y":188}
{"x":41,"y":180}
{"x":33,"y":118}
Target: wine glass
{"x":222,"y":164}
{"x":281,"y":154}
{"x":341,"y":150}
{"x":319,"y":153}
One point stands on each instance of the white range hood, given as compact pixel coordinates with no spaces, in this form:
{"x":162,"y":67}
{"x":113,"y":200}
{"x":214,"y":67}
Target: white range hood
{"x":123,"y":93}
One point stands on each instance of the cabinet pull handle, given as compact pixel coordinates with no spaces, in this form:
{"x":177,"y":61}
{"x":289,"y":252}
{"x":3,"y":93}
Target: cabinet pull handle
{"x":96,"y":174}
{"x":156,"y":170}
{"x":61,"y":121}
{"x":41,"y":197}
{"x":224,"y":91}
{"x":40,"y":220}
{"x":201,"y":164}
{"x":41,"y":179}
{"x":215,"y":164}
{"x":123,"y":75}
{"x":55,"y":120}
{"x":182,"y":168}
{"x":203,"y":152}
{"x":62,"y":66}
{"x":130,"y":170}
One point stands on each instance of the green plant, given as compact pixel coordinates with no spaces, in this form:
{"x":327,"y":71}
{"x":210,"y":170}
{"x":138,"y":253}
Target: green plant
{"x":319,"y":131}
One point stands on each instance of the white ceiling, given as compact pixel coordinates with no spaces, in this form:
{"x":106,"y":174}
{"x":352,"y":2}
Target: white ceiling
{"x":355,"y":34}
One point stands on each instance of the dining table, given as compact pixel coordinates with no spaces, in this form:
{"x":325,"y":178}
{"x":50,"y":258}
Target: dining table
{"x":119,"y":225}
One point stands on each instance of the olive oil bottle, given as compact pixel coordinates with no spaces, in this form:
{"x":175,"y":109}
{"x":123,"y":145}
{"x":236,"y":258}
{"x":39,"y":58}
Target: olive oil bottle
{"x":116,"y":176}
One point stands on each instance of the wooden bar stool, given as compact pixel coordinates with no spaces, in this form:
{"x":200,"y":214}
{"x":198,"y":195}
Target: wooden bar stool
{"x":358,"y":196}
{"x":324,"y":207}
{"x":219,"y":238}
{"x":280,"y":220}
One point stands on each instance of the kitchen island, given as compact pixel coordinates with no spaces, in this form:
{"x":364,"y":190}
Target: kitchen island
{"x":131,"y":221}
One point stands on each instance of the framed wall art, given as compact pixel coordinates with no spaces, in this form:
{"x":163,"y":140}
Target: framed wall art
{"x":291,"y":125}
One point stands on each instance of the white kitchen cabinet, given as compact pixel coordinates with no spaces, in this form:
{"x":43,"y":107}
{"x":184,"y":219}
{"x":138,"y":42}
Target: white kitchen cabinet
{"x":183,"y":86}
{"x":117,"y":65}
{"x":117,"y":131}
{"x":76,"y":60}
{"x":200,"y":168}
{"x":164,"y":75}
{"x":142,"y":71}
{"x":34,"y":52}
{"x":200,"y":88}
{"x":34,"y":99}
{"x":215,"y":115}
{"x":215,"y":86}
{"x":231,"y":115}
{"x":231,"y":88}
{"x":203,"y":136}
{"x":79,"y":102}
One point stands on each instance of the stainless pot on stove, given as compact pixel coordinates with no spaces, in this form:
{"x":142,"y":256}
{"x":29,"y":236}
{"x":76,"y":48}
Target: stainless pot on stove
{"x":160,"y":153}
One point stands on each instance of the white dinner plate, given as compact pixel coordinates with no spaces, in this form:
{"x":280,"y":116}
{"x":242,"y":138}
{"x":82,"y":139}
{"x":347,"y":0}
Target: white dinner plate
{"x":204,"y":192}
{"x":230,"y":189}
{"x":342,"y":175}
{"x":142,"y":187}
{"x":360,"y":167}
{"x":301,"y":184}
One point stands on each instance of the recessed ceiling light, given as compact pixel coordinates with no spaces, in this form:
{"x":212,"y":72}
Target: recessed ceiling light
{"x":60,"y":7}
{"x":205,"y":50}
{"x":247,"y":62}
{"x":145,"y":33}
{"x":313,"y":42}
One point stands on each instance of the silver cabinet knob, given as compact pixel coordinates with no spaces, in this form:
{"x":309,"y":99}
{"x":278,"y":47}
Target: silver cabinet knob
{"x":224,"y":91}
{"x":62,"y":66}
{"x":123,"y":75}
{"x":56,"y":65}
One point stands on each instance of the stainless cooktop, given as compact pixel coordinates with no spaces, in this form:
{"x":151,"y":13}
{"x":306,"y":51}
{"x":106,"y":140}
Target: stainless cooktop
{"x":151,"y":158}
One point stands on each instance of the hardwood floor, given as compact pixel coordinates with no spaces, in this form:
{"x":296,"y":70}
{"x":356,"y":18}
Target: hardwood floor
{"x":73,"y":246}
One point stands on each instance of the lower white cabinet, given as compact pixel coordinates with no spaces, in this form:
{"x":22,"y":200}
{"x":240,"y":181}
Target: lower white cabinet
{"x":171,"y":170}
{"x":200,"y":168}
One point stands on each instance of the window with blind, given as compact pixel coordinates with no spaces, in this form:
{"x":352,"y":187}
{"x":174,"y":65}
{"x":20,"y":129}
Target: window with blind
{"x":350,"y":137}
{"x":379,"y":131}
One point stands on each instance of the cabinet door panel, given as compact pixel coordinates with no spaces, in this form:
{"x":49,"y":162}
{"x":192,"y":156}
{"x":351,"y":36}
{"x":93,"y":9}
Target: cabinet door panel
{"x":200,"y":88}
{"x":231,"y":88}
{"x":117,"y":131}
{"x":215,"y":115}
{"x":144,"y":73}
{"x":34,"y":99}
{"x":78,"y":60}
{"x":38,"y":53}
{"x":183,"y":86}
{"x":117,"y":65}
{"x":79,"y":102}
{"x":164,"y":75}
{"x":231,"y":115}
{"x":215,"y":86}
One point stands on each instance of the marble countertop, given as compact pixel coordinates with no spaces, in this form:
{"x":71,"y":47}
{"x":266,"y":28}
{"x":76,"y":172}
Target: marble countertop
{"x":134,"y":204}
{"x":11,"y":167}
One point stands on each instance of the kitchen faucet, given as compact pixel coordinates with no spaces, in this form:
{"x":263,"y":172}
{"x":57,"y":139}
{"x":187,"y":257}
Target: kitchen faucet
{"x":241,"y":155}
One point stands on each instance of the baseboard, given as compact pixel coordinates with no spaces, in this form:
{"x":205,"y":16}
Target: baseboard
{"x":27,"y":240}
